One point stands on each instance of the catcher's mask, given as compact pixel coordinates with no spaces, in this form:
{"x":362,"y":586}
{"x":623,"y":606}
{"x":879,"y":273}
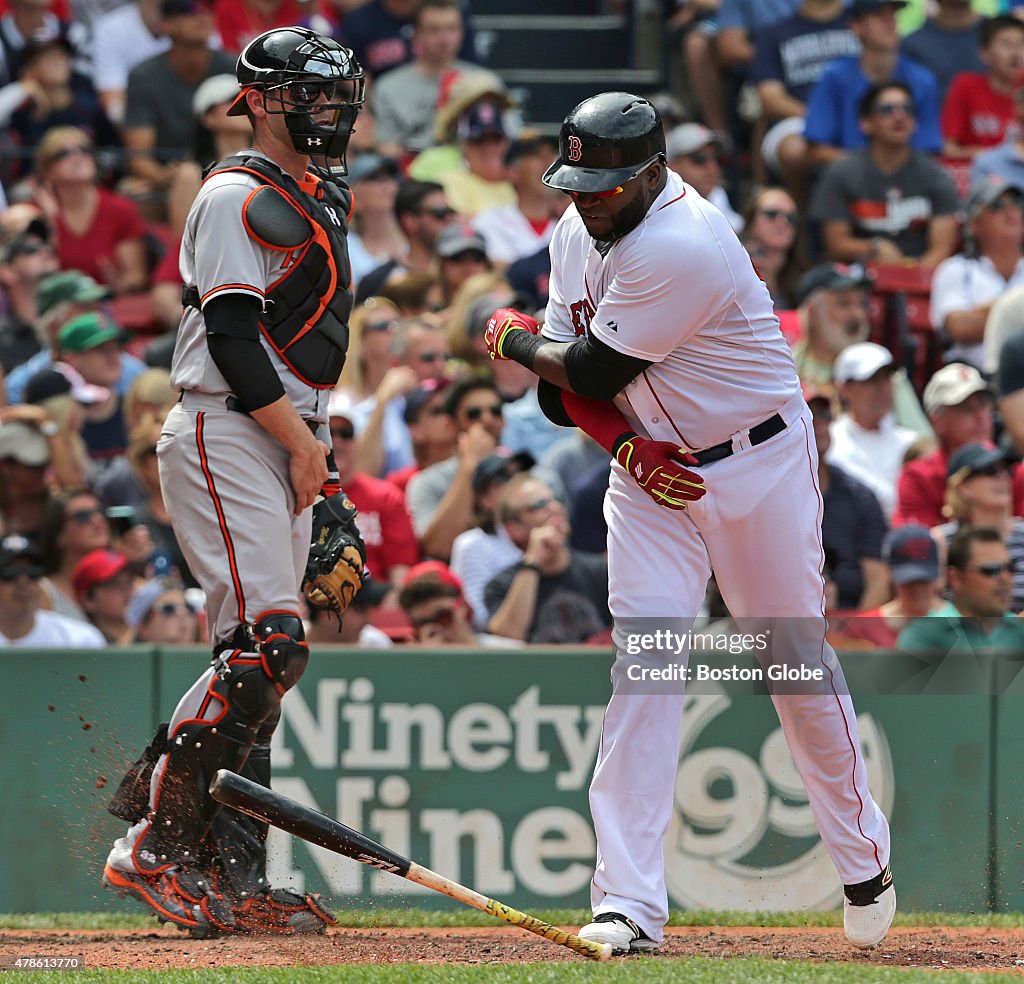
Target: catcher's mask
{"x":606,"y":141}
{"x":314,"y":82}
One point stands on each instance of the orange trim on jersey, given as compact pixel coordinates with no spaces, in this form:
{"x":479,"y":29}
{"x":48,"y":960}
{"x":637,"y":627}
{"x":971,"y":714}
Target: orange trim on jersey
{"x":310,"y":183}
{"x":674,"y":200}
{"x":668,"y":416}
{"x":221,"y":518}
{"x":351,"y":204}
{"x":215,"y":290}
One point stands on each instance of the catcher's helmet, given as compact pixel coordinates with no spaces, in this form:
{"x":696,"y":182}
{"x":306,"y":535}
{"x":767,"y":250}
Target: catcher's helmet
{"x":606,"y":140}
{"x":295,"y":67}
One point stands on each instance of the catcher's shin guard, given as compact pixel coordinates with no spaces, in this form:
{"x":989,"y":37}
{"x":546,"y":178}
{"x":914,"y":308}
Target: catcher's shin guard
{"x":243,"y":691}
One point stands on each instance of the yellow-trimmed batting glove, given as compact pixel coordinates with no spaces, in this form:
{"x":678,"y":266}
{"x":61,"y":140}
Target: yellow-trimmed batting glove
{"x":502,"y":322}
{"x":657,"y":467}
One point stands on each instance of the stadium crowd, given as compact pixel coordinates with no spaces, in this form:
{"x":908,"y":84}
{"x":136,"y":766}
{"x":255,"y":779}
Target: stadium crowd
{"x":876,"y":177}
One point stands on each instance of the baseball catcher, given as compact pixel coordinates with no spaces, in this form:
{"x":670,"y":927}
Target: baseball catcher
{"x":250,"y":483}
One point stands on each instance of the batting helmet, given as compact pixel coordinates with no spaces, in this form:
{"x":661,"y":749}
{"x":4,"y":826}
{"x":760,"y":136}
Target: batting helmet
{"x":605,"y":141}
{"x":314,"y":82}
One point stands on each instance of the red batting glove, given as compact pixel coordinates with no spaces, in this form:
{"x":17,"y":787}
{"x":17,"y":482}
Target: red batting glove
{"x":656,"y":466}
{"x":503,"y":321}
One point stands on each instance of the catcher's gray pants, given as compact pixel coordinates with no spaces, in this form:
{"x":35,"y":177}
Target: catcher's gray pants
{"x":226,"y":487}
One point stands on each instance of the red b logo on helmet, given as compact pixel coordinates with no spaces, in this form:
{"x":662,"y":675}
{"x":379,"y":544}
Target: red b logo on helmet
{"x":575,"y":149}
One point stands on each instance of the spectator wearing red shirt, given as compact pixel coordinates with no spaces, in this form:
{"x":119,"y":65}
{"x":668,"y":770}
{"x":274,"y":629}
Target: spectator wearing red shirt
{"x":979,"y":110}
{"x":239,"y":21}
{"x":97,"y":232}
{"x":958,"y":403}
{"x":383,"y":520}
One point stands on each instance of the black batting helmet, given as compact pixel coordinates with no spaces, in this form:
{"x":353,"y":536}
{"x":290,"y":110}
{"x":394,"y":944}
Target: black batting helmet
{"x":606,"y":140}
{"x":313,"y":81}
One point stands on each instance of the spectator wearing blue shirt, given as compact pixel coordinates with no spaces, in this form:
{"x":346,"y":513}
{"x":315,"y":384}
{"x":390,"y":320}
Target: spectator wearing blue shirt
{"x":380,"y":34}
{"x":1005,"y":162}
{"x":791,"y":57}
{"x":833,"y":128}
{"x":947,"y":43}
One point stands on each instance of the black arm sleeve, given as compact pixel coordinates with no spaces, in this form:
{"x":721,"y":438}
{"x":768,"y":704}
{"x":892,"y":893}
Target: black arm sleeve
{"x":597,"y":370}
{"x":233,"y":337}
{"x":549,"y":396}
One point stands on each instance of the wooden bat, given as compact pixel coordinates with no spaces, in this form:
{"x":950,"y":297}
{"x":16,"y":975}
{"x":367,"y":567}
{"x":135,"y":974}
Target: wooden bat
{"x":317,"y":828}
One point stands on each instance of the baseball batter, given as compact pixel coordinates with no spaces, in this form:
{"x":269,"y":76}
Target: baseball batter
{"x":661,"y":342}
{"x":242,"y":458}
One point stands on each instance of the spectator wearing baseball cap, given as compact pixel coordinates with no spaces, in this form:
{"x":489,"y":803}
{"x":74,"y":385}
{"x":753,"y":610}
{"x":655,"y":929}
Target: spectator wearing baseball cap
{"x":912,"y":556}
{"x":25,"y":456}
{"x":475,"y":120}
{"x":27,"y":257}
{"x":462,"y":253}
{"x":159,"y":612}
{"x":958,"y":403}
{"x":966,"y":286}
{"x":91,"y":345}
{"x":485,"y":548}
{"x":374,"y":237}
{"x":22,"y":622}
{"x":694,"y":153}
{"x":515,"y":231}
{"x":979,"y":493}
{"x":103,"y":587}
{"x":867,"y":443}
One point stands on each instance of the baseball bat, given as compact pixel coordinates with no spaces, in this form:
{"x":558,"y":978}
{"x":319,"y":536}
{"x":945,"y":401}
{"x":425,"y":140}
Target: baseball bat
{"x":295,"y":818}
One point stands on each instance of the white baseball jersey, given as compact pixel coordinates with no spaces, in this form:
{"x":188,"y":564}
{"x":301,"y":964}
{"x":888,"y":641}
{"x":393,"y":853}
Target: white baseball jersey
{"x":219,"y":256}
{"x":679,"y":291}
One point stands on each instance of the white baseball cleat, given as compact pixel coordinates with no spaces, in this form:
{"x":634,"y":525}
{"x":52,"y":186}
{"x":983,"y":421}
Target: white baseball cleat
{"x":624,"y":935}
{"x":868,"y":910}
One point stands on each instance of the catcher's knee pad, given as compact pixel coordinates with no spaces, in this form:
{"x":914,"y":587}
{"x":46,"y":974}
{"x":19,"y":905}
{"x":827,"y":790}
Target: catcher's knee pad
{"x":283,"y":648}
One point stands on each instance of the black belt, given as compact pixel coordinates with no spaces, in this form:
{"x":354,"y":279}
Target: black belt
{"x":758,"y":435}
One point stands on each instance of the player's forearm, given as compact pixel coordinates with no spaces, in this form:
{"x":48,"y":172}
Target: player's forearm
{"x":281,"y":420}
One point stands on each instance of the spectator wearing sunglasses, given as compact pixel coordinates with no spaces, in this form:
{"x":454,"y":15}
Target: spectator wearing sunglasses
{"x":554,"y":594}
{"x":159,"y":612}
{"x":98,"y":233}
{"x":979,"y":492}
{"x":422,"y":211}
{"x":74,"y":525}
{"x":771,"y":235}
{"x":441,"y":497}
{"x":978,"y":616}
{"x":27,"y":257}
{"x":693,"y":153}
{"x":461,"y":253}
{"x":888,"y":202}
{"x":833,"y":126}
{"x":22,"y":622}
{"x":431,"y":430}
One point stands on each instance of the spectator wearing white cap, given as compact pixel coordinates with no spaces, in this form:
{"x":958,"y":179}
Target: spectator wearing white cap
{"x":965,"y":286}
{"x":23,"y":623}
{"x":866,"y":440}
{"x":24,"y":458}
{"x":959,"y":406}
{"x":693,"y":153}
{"x":461,"y":253}
{"x":160,"y":613}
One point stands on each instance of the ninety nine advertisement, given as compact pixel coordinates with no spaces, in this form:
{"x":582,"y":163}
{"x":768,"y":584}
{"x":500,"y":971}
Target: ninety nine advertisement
{"x":477,"y":765}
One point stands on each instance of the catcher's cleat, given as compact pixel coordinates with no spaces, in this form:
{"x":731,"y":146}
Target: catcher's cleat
{"x":624,"y":935}
{"x":868,"y":910}
{"x":280,"y":910}
{"x":176,"y":896}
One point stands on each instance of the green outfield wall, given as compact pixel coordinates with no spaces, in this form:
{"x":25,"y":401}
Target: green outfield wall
{"x":476,"y":764}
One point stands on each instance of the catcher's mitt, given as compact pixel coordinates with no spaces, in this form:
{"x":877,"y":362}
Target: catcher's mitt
{"x":335,"y":568}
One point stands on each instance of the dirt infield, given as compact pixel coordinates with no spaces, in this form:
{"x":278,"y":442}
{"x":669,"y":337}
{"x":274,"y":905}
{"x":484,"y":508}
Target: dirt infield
{"x":947,"y":949}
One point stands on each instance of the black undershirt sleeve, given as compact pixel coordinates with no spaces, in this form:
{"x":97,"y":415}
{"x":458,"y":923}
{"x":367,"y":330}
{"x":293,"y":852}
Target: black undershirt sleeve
{"x":597,"y":370}
{"x":233,"y":337}
{"x":549,"y":396}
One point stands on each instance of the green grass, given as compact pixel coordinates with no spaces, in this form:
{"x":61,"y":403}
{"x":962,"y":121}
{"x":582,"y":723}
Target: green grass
{"x":419,"y":918}
{"x":649,"y":971}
